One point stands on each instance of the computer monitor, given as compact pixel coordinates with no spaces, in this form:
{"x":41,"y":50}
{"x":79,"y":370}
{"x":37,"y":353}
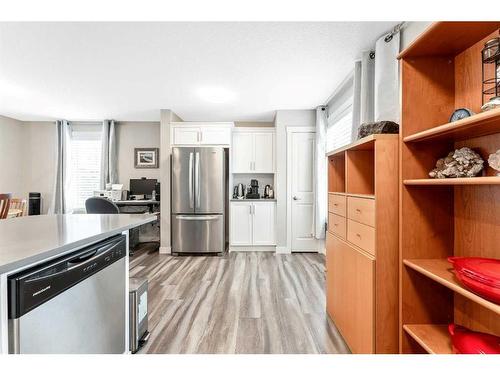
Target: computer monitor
{"x":142,"y":186}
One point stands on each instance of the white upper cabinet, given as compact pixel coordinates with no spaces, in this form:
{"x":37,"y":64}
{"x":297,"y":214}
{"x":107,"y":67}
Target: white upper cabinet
{"x":201,"y":134}
{"x":253,"y":151}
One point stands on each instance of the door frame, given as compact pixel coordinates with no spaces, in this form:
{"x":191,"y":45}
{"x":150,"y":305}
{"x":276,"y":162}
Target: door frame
{"x":290,"y":130}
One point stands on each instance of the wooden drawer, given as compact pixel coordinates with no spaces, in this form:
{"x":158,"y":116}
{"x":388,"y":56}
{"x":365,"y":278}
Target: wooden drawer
{"x":337,"y":204}
{"x":361,"y":210}
{"x":337,"y":225}
{"x":361,"y":235}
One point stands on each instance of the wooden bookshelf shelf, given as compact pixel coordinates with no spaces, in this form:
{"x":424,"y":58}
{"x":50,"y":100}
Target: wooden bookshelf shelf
{"x":475,"y":126}
{"x":366,"y":143}
{"x":367,"y":196}
{"x":433,"y":338}
{"x":491,"y":180}
{"x":441,"y":271}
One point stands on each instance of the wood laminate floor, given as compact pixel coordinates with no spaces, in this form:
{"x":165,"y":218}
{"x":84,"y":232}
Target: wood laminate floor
{"x":251,"y":302}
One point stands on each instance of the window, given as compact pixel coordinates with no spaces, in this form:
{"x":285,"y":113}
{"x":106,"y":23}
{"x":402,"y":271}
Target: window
{"x":339,"y":131}
{"x":83,"y":162}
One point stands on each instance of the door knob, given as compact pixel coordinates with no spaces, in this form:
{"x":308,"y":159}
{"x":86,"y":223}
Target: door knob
{"x":296,"y":198}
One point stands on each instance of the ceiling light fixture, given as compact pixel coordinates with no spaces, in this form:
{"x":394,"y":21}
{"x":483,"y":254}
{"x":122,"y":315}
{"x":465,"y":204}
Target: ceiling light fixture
{"x":216,"y":95}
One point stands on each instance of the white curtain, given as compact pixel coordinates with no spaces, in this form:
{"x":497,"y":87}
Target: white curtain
{"x":363,"y":100}
{"x":109,"y":173}
{"x":321,"y":173}
{"x":386,"y":90}
{"x":58,"y":205}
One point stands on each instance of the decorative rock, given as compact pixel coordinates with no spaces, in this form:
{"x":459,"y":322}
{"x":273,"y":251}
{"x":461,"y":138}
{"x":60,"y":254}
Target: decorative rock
{"x":381,"y":127}
{"x":494,"y":161}
{"x":462,"y":162}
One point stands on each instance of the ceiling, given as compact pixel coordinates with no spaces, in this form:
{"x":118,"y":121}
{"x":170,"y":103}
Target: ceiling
{"x":202,"y":71}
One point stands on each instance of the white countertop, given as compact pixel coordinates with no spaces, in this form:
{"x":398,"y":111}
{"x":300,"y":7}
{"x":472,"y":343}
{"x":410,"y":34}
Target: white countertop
{"x":30,"y":239}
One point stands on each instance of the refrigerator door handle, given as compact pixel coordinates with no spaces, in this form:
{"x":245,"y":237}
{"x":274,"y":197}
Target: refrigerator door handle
{"x":197,"y":178}
{"x":197,"y":217}
{"x":190,"y":183}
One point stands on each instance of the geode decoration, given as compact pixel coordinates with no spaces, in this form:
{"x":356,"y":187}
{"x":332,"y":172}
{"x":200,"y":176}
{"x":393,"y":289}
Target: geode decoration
{"x":494,"y":161}
{"x":380,"y":127}
{"x":462,"y":162}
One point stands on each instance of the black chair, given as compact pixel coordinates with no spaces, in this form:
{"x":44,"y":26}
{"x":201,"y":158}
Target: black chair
{"x":100,"y":205}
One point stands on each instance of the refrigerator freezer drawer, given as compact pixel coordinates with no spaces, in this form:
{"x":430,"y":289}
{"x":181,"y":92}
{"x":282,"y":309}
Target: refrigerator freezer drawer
{"x":198,"y":234}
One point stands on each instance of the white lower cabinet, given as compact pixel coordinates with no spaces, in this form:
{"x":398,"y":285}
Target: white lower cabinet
{"x":253,"y":223}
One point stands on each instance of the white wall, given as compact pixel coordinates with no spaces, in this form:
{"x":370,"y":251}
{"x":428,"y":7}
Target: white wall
{"x":411,"y":31}
{"x":12,"y":153}
{"x":284,"y":119}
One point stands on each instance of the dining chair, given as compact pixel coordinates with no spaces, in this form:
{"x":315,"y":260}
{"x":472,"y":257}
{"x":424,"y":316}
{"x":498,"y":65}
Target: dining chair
{"x":4,"y":205}
{"x":18,"y":204}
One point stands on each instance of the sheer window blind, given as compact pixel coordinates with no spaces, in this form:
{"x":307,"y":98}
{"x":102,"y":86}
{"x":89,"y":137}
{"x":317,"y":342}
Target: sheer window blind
{"x":83,"y":165}
{"x":339,"y":131}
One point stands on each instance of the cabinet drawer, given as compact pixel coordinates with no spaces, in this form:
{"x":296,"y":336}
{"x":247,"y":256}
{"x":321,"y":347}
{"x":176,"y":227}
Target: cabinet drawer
{"x":361,"y":235}
{"x":337,"y":225}
{"x":337,"y":204}
{"x":361,"y":210}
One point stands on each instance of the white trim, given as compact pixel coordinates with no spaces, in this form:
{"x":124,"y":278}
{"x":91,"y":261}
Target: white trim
{"x":254,"y":129}
{"x":289,"y":132}
{"x":283,"y":250}
{"x":127,"y":288}
{"x":165,"y":250}
{"x":197,"y":124}
{"x":246,"y":249}
{"x":300,"y":129}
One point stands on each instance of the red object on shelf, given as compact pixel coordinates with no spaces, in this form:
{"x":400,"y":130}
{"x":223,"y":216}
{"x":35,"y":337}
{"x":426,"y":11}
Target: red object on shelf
{"x":480,"y":275}
{"x":465,"y":341}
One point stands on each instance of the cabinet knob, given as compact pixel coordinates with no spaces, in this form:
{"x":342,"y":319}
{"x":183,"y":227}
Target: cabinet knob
{"x":295,"y":198}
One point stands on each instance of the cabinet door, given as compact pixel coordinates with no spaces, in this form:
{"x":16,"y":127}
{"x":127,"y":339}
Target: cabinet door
{"x":264,"y":217}
{"x":243,"y":152}
{"x":264,"y":153}
{"x":241,"y":223}
{"x":215,"y":136}
{"x":186,"y":136}
{"x":351,"y":294}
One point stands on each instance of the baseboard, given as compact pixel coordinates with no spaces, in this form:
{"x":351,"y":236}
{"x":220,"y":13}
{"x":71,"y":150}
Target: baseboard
{"x":165,"y":250}
{"x":282,"y":250}
{"x":252,"y":248}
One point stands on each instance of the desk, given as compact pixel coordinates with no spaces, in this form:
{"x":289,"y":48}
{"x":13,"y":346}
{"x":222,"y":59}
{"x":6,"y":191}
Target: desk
{"x":151,"y":204}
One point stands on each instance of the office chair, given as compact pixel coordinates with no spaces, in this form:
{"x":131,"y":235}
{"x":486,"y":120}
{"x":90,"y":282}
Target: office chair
{"x":100,"y":205}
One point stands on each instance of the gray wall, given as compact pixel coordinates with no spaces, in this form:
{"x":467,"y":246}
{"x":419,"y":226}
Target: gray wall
{"x":130,"y":135}
{"x":28,"y":155}
{"x":284,"y":119}
{"x":12,"y":154}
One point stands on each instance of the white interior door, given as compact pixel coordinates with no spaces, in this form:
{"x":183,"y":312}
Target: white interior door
{"x":302,"y":192}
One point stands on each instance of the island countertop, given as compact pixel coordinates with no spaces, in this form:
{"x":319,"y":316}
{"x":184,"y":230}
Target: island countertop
{"x":31,"y":239}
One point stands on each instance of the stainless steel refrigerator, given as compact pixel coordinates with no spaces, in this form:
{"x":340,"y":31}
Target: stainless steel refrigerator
{"x":198,"y":199}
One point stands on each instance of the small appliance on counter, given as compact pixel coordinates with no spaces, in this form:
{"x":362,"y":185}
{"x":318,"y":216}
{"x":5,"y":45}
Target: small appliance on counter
{"x":239,"y":192}
{"x":138,"y":311}
{"x":253,"y":190}
{"x":268,"y":192}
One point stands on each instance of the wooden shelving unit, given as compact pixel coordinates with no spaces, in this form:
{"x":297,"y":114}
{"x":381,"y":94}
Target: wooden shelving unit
{"x":362,"y":243}
{"x":433,"y":338}
{"x":491,"y":180}
{"x":441,"y":71}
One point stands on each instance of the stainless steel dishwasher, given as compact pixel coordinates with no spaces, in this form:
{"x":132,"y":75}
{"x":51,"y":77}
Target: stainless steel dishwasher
{"x":73,"y":304}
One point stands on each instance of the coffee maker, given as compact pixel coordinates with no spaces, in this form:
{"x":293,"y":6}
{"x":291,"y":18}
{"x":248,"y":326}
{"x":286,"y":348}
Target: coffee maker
{"x":253,"y":190}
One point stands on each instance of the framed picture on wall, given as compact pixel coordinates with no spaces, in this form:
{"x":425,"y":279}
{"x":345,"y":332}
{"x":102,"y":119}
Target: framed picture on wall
{"x":146,"y":157}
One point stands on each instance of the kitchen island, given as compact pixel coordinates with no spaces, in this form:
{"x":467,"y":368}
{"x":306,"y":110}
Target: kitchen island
{"x":29,"y":241}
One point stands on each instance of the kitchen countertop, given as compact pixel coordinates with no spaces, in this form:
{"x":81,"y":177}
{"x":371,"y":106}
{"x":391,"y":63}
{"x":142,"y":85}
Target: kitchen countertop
{"x":254,"y":200}
{"x":30,"y":239}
